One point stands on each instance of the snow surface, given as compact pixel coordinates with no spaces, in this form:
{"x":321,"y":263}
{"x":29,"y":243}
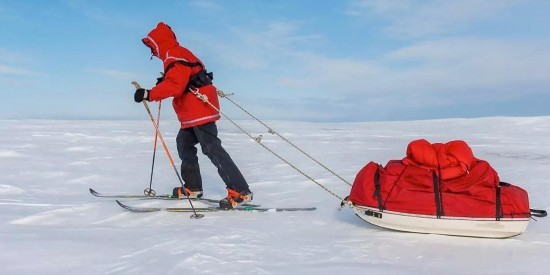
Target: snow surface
{"x":50,"y":224}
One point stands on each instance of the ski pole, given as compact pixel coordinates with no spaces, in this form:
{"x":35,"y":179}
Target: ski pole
{"x":149,"y":191}
{"x":195,"y":214}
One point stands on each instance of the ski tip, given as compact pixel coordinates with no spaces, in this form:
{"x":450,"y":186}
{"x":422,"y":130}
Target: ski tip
{"x":93,"y":192}
{"x":122,"y":205}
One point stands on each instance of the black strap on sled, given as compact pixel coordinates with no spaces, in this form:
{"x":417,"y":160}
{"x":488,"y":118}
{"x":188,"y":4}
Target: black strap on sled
{"x":377,"y":192}
{"x":437,"y":194}
{"x":498,"y":201}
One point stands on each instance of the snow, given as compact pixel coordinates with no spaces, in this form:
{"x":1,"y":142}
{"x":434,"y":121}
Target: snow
{"x":50,"y":224}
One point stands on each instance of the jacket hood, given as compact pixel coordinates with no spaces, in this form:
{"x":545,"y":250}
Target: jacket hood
{"x":160,"y":40}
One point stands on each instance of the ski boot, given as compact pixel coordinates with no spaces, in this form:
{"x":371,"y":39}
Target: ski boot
{"x":235,"y":199}
{"x":183,"y":192}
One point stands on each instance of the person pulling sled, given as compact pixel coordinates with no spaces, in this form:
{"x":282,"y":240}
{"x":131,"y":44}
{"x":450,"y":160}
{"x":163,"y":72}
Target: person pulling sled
{"x":184,"y":72}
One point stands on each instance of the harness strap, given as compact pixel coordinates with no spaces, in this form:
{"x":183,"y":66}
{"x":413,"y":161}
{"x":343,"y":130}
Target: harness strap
{"x":198,"y":80}
{"x":183,"y":62}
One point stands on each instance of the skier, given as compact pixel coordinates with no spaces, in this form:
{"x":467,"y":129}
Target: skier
{"x":184,"y":72}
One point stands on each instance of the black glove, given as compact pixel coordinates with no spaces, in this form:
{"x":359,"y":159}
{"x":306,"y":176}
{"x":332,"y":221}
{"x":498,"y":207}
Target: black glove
{"x":141,"y":94}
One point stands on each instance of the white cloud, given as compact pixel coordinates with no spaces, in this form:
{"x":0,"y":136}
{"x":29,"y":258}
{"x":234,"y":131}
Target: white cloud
{"x":479,"y":63}
{"x":277,"y":61}
{"x":11,"y":56}
{"x":14,"y":63}
{"x":332,"y":73}
{"x":474,"y":66}
{"x":436,"y":73}
{"x":266,"y":47}
{"x":417,"y":18}
{"x":16,"y":71}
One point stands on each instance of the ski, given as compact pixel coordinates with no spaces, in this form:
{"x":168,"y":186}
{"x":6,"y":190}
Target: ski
{"x":212,"y":209}
{"x":159,"y":197}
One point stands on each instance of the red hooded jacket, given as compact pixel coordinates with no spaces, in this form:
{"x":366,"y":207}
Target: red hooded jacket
{"x":191,"y":111}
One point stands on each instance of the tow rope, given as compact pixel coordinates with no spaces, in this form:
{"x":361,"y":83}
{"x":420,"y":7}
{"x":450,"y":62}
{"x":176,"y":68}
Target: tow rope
{"x":258,"y":139}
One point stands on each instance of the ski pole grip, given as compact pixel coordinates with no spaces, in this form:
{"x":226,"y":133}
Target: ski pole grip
{"x":144,"y":101}
{"x":136,"y":85}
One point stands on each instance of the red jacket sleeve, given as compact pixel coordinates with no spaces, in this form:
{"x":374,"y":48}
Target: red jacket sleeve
{"x":173,"y":85}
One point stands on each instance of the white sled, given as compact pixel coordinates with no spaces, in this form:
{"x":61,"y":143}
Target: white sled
{"x":455,"y":226}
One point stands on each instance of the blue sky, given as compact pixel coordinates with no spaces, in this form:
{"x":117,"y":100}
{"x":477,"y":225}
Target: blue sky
{"x":358,"y":60}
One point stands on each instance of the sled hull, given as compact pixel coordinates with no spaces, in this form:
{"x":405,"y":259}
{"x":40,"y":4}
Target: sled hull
{"x":454,"y":226}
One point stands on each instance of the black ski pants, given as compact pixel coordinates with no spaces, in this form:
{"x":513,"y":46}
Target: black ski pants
{"x":207,"y":136}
